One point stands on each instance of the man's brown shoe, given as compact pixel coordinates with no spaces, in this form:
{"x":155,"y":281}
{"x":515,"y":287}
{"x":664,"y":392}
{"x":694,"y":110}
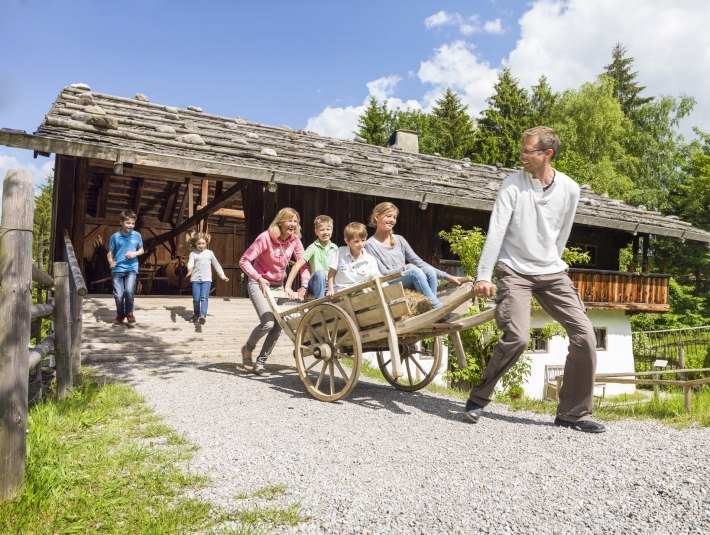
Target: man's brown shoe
{"x":260,"y":370}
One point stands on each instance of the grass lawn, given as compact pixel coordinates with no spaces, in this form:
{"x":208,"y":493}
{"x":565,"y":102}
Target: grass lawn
{"x":102,"y":462}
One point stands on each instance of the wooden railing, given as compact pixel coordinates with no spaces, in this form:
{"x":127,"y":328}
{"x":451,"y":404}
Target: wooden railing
{"x":19,"y":318}
{"x":636,"y":292}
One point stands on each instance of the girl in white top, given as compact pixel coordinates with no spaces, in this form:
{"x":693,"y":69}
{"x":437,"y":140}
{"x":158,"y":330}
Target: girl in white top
{"x":353,"y":264}
{"x":199,"y":269}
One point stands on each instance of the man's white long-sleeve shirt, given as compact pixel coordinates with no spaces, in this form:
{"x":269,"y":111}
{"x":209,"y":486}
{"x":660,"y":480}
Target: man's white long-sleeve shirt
{"x":529,"y":226}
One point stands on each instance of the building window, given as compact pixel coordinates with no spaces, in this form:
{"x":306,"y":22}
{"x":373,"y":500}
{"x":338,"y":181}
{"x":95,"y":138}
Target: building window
{"x":600,"y":334}
{"x":538,"y":342}
{"x":593,"y":252}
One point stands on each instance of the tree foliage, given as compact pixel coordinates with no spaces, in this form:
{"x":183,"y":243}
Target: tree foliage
{"x":626,"y":90}
{"x":500,"y":128}
{"x":375,"y":125}
{"x":592,"y":126}
{"x":451,"y":126}
{"x":42,"y":223}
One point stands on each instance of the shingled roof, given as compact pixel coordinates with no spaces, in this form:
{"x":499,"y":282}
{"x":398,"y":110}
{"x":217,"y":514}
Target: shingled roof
{"x":134,"y":130}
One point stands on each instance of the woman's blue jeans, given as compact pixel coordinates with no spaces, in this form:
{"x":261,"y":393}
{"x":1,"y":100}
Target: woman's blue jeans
{"x":200,"y":294}
{"x":422,"y":280}
{"x":124,"y":287}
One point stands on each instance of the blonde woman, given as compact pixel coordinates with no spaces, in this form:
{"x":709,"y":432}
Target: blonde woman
{"x":265,"y":263}
{"x":393,"y":254}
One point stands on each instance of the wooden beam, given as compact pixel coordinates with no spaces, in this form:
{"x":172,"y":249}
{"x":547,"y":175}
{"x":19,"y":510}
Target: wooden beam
{"x":139,"y":195}
{"x":229,"y":212}
{"x":102,"y":198}
{"x":204,"y":213}
{"x":204,"y":194}
{"x":190,"y":199}
{"x":171,"y":202}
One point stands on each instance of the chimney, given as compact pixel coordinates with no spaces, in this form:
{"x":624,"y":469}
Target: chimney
{"x":406,"y":140}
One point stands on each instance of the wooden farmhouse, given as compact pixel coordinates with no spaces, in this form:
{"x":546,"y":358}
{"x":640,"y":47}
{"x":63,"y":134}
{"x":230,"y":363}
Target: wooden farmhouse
{"x":180,"y":169}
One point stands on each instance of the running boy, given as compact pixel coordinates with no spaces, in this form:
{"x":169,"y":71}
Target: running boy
{"x":353,"y":264}
{"x":318,"y":255}
{"x":124,"y":248}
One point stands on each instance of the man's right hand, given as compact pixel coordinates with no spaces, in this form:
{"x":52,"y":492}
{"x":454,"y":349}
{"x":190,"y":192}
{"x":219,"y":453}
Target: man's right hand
{"x":484,"y":289}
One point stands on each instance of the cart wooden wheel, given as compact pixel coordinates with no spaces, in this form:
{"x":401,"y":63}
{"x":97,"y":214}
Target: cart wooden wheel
{"x":328,"y":352}
{"x":420,"y":365}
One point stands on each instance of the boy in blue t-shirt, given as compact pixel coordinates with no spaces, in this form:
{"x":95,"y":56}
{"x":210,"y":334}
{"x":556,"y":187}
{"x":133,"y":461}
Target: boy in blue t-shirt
{"x":124,"y":247}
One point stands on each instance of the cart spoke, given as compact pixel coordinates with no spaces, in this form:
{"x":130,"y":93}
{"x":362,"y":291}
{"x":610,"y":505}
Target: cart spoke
{"x":332,"y":377}
{"x":311,"y":365}
{"x":313,"y":336}
{"x":409,"y":371}
{"x":334,"y":338}
{"x":306,"y":350}
{"x":342,"y":370}
{"x":417,"y":364}
{"x":325,"y":328}
{"x":321,"y":375}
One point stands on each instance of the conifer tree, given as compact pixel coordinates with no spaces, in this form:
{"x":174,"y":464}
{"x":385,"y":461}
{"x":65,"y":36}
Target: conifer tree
{"x":626,"y":89}
{"x":451,"y":126}
{"x":375,"y":125}
{"x":501,"y":125}
{"x":542,"y":99}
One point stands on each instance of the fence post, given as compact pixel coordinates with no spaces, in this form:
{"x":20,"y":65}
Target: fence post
{"x":15,"y":302}
{"x":62,"y":328}
{"x":76,"y":326}
{"x":687,"y":390}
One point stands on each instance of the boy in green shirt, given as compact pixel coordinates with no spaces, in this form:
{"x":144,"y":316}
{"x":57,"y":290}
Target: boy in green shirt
{"x":318,"y":255}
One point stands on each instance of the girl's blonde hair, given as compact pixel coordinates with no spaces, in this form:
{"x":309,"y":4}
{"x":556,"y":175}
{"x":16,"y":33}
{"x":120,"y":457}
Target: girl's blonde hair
{"x":193,"y":237}
{"x":380,"y":210}
{"x":285,"y":214}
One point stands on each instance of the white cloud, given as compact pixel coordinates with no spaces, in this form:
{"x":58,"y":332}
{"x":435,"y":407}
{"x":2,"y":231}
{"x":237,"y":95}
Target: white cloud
{"x":342,"y":122}
{"x":384,"y":87}
{"x":493,"y":26}
{"x":457,"y":66}
{"x":442,"y":18}
{"x":466,"y":25}
{"x":571,"y":42}
{"x":38,"y":172}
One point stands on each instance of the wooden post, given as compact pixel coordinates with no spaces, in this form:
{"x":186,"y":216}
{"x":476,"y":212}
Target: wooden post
{"x":687,"y":390}
{"x":62,"y":328}
{"x":76,"y":306}
{"x":15,"y":302}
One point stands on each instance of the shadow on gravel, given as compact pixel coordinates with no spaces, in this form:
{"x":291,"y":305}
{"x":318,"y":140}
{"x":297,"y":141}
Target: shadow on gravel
{"x":370,"y":395}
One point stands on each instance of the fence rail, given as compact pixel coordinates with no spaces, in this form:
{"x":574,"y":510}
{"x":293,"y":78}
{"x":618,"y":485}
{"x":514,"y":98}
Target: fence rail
{"x":20,"y":319}
{"x":680,"y":348}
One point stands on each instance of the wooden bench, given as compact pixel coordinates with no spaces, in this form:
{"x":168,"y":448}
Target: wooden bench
{"x":553,"y":382}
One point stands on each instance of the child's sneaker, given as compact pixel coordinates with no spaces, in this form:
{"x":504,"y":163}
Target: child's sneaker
{"x":131,"y":318}
{"x":118,"y":320}
{"x":202,"y":320}
{"x":246,"y":356}
{"x":193,"y":319}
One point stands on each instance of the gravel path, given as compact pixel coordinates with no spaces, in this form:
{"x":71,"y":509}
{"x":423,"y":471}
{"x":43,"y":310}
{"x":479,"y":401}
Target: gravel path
{"x":389,"y":462}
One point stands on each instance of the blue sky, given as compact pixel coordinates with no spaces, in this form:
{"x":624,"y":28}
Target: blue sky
{"x":313,"y":64}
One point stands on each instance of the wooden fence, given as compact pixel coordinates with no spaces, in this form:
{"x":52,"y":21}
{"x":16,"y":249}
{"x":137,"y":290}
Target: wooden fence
{"x":19,"y":318}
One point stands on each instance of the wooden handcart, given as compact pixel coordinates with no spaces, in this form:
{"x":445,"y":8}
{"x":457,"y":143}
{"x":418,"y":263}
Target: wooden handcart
{"x":331,"y":334}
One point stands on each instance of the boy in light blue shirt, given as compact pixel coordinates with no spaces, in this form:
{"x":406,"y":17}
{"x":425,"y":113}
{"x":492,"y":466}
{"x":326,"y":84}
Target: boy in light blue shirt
{"x":124,"y":248}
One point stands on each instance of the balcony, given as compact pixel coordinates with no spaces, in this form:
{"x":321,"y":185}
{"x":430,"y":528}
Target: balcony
{"x":634,"y":292}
